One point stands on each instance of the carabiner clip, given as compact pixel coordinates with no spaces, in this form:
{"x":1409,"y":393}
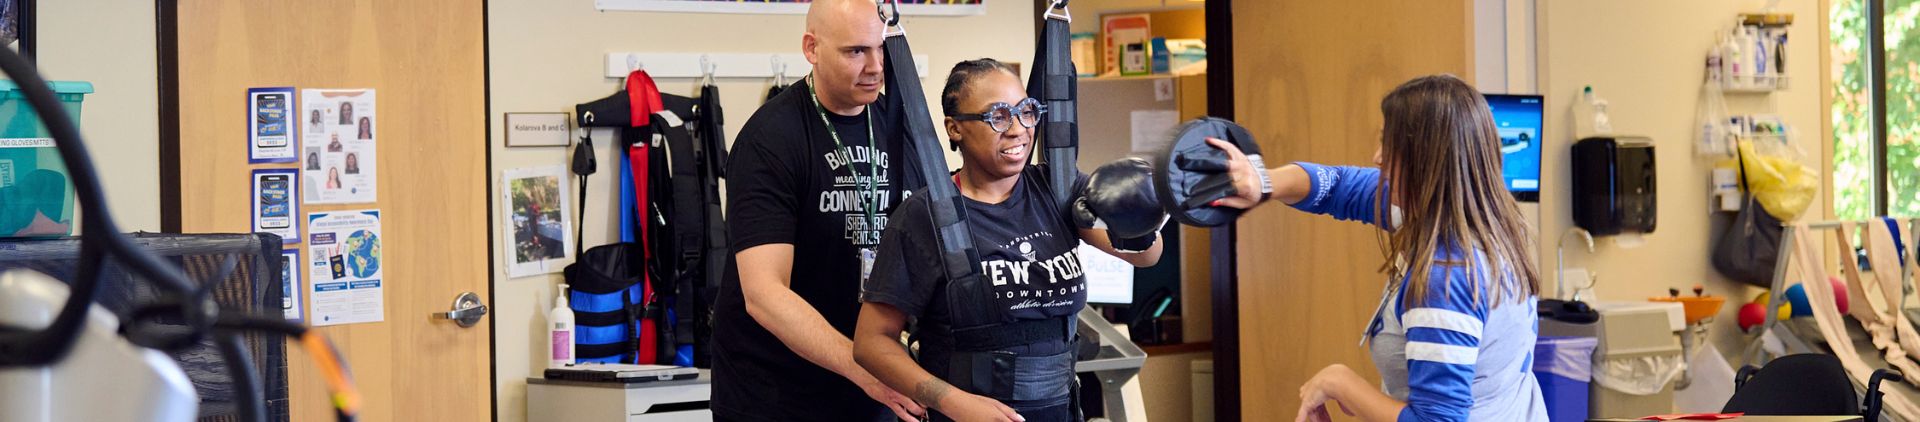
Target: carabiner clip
{"x":1058,"y":10}
{"x":891,"y":20}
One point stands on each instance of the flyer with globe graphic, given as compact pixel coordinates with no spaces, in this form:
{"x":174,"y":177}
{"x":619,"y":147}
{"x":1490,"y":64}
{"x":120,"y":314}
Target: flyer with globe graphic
{"x":344,"y":266}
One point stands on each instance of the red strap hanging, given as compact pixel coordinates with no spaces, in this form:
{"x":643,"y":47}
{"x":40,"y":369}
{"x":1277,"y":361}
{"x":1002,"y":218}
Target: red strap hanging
{"x":644,"y":95}
{"x":637,"y":157}
{"x":645,"y":98}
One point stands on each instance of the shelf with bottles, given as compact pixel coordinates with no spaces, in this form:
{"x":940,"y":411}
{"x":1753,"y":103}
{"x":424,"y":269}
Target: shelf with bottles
{"x":1754,"y":84}
{"x":1762,"y":130}
{"x":1750,"y":57}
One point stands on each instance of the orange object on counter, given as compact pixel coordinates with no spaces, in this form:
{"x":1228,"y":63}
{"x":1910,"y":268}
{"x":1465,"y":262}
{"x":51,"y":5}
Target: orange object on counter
{"x":1697,"y":308}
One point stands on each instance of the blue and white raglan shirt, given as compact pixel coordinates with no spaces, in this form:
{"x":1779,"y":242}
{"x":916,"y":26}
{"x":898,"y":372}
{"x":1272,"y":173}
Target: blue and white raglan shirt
{"x":1452,"y":357}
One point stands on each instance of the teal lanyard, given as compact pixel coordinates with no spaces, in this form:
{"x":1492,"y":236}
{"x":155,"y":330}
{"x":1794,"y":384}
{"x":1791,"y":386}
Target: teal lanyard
{"x":872,"y":188}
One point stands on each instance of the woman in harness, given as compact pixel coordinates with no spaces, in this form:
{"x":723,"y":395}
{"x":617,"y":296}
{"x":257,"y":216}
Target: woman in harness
{"x":1453,"y":336}
{"x":997,"y":347}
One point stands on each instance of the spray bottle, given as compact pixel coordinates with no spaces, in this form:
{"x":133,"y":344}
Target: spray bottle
{"x":1590,"y":115}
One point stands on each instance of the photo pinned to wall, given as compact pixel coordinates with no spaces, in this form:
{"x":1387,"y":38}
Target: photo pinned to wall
{"x":339,"y":144}
{"x":292,"y":304}
{"x":785,"y":7}
{"x":276,"y":203}
{"x":536,"y":220}
{"x":271,"y":126}
{"x":345,"y":267}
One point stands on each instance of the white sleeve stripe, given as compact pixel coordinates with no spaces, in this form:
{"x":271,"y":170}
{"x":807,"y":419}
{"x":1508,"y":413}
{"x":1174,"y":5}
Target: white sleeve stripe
{"x":1443,"y":319}
{"x":1435,"y":352}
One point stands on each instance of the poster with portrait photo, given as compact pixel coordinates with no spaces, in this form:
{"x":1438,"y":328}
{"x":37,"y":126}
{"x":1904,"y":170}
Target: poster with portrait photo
{"x":339,"y":144}
{"x":538,"y":235}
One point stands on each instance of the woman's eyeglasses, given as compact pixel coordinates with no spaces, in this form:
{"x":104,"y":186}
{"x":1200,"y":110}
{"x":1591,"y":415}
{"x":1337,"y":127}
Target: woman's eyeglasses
{"x":1000,"y":116}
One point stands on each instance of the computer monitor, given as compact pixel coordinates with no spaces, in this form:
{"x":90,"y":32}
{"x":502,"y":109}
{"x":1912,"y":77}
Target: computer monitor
{"x":1109,"y":279}
{"x":1520,"y":121}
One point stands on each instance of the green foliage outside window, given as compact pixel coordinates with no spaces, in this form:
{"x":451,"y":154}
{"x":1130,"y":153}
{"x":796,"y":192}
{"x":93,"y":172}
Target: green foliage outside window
{"x":1852,"y":109}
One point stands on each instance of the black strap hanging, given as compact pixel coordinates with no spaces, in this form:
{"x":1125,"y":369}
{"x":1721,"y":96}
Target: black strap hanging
{"x":1055,"y":83}
{"x":583,"y":166}
{"x":957,"y":254}
{"x":713,"y":140}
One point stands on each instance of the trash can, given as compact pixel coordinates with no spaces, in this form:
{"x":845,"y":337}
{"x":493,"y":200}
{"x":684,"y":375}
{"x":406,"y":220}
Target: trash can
{"x":36,"y":196}
{"x":1564,"y":367}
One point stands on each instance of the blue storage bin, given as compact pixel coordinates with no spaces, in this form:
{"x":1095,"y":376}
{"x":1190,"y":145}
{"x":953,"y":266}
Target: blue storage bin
{"x":1564,"y":367}
{"x":36,"y":197}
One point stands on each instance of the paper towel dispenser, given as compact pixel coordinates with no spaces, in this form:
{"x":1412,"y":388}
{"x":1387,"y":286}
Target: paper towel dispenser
{"x":1614,"y":185}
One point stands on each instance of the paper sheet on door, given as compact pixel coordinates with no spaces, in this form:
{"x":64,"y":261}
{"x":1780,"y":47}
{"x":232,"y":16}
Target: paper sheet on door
{"x":291,"y":302}
{"x":1152,"y":130}
{"x":345,"y":267}
{"x":276,"y":203}
{"x":338,"y":146}
{"x":270,"y":126}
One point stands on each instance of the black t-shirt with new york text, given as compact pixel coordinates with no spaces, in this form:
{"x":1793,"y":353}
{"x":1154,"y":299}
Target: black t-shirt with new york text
{"x":787,"y":183}
{"x":1029,"y":254}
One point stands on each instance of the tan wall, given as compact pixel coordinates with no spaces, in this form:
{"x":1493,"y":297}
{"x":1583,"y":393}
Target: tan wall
{"x":1645,"y":58}
{"x":547,"y":56}
{"x":1166,"y":386}
{"x":111,"y":43}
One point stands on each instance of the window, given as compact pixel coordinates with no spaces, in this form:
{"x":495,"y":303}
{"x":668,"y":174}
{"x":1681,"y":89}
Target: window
{"x":1855,"y":162}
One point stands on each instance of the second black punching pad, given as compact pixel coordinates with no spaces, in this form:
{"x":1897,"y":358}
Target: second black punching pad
{"x":1194,"y":174}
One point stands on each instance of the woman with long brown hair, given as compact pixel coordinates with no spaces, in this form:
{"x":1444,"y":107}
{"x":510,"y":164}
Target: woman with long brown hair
{"x":1454,"y":333}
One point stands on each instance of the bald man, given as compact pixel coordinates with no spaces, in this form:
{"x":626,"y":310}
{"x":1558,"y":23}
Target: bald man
{"x":813,"y":175}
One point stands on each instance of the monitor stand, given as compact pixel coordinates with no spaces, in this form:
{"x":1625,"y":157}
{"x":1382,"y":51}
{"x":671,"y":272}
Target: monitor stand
{"x":1117,"y":363}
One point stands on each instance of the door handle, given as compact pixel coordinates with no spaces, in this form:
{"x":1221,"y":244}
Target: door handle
{"x":466,"y":312}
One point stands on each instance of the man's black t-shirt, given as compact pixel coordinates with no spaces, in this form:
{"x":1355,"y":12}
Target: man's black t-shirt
{"x":788,"y":183}
{"x":1029,"y":252}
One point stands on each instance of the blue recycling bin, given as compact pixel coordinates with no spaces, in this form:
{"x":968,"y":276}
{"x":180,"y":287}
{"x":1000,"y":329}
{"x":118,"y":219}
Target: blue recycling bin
{"x":1564,"y":367}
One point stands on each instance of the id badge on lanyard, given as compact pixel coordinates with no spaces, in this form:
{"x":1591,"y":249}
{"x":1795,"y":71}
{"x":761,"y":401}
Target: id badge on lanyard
{"x":867,"y":256}
{"x":1379,"y":315}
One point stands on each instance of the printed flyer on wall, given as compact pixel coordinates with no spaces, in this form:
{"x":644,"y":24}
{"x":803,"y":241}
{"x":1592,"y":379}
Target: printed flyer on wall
{"x":345,"y":268}
{"x":338,"y":143}
{"x":276,"y":203}
{"x":270,"y":126}
{"x":290,"y":288}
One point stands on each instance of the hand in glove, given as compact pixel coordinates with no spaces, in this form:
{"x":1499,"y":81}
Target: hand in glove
{"x":1119,"y":198}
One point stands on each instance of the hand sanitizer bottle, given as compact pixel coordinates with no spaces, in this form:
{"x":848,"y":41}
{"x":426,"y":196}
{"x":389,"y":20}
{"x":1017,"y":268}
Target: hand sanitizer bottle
{"x":560,"y":331}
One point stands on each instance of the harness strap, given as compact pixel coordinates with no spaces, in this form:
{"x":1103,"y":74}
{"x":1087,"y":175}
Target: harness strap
{"x":1008,"y":377}
{"x":1055,"y":83}
{"x":955,"y":237}
{"x":997,"y":337}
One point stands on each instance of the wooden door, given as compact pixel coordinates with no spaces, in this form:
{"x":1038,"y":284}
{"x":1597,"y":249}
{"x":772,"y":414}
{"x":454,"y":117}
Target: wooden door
{"x":1308,"y":79}
{"x":425,"y":59}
